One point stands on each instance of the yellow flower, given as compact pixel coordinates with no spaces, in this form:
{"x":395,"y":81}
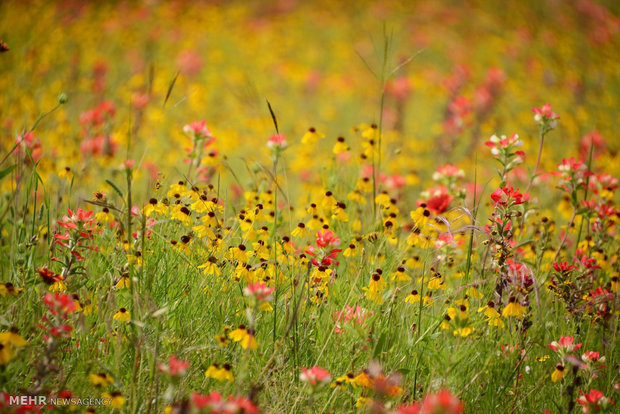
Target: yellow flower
{"x":221,"y":374}
{"x":472,"y":292}
{"x":177,"y":190}
{"x":122,"y":315}
{"x":513,"y":308}
{"x":436,"y":283}
{"x":265,"y":307}
{"x":421,"y":216}
{"x":413,"y":297}
{"x":558,"y":373}
{"x":494,"y":318}
{"x":341,"y":146}
{"x":339,"y":213}
{"x":245,"y":337}
{"x":311,"y":137}
{"x":312,"y":210}
{"x":363,"y":402}
{"x":328,"y":201}
{"x":315,"y":223}
{"x":375,"y":288}
{"x":101,"y":379}
{"x":356,"y":197}
{"x":123,"y":282}
{"x":383,"y":199}
{"x":364,"y":185}
{"x":300,"y":230}
{"x":155,"y":207}
{"x":222,"y":339}
{"x":210,"y":267}
{"x":66,"y":173}
{"x":350,"y":251}
{"x":363,"y":380}
{"x":6,"y":353}
{"x":181,"y":213}
{"x":116,"y":399}
{"x":58,"y":286}
{"x":9,"y":342}
{"x":12,"y":338}
{"x":7,"y":289}
{"x":104,"y":216}
{"x":464,"y":332}
{"x":238,"y":253}
{"x":400,"y":276}
{"x":347,"y":379}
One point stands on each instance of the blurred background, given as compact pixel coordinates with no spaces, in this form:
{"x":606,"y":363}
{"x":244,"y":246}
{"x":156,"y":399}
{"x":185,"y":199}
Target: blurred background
{"x":453,"y":72}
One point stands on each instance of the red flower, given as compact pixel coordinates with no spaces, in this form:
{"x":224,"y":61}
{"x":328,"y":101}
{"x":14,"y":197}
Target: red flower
{"x":593,"y":400}
{"x":259,"y":290}
{"x":545,"y":116}
{"x":175,"y":367}
{"x":327,"y":238}
{"x":563,"y":267}
{"x":59,"y":302}
{"x":508,"y":196}
{"x":315,"y":375}
{"x":443,"y":402}
{"x":565,"y":344}
{"x":439,"y":203}
{"x":277,"y":141}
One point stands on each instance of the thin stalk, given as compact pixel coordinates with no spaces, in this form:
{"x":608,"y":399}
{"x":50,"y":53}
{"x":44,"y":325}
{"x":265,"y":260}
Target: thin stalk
{"x":474,"y":215}
{"x":585,"y":196}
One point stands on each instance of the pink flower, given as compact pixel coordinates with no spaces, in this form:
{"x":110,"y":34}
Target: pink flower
{"x":129,"y":164}
{"x":315,"y":376}
{"x":358,"y":315}
{"x":450,"y":170}
{"x":189,"y":62}
{"x":545,"y":116}
{"x":259,"y":290}
{"x":396,"y":181}
{"x":399,"y":88}
{"x":442,"y":402}
{"x":565,"y":344}
{"x":197,"y":130}
{"x":594,"y":139}
{"x":175,"y":367}
{"x":590,"y":356}
{"x":277,"y":142}
{"x":213,"y":403}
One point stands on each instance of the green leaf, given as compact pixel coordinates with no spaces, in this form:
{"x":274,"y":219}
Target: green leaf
{"x":115,"y":187}
{"x":7,"y":171}
{"x":380,"y":345}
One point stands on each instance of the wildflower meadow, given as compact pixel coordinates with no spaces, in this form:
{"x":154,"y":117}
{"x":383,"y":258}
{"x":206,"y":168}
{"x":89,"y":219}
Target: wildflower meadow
{"x":386,"y":207}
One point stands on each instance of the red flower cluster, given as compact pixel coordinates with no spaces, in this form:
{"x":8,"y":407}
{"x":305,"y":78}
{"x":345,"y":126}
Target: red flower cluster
{"x":322,"y":256}
{"x":215,"y":404}
{"x":442,"y":402}
{"x":59,"y":305}
{"x":508,"y":196}
{"x":593,"y":401}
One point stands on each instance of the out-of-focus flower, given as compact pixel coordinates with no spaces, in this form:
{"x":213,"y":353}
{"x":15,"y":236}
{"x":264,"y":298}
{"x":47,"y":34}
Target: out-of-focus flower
{"x":175,"y":367}
{"x":277,"y":143}
{"x":315,"y":376}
